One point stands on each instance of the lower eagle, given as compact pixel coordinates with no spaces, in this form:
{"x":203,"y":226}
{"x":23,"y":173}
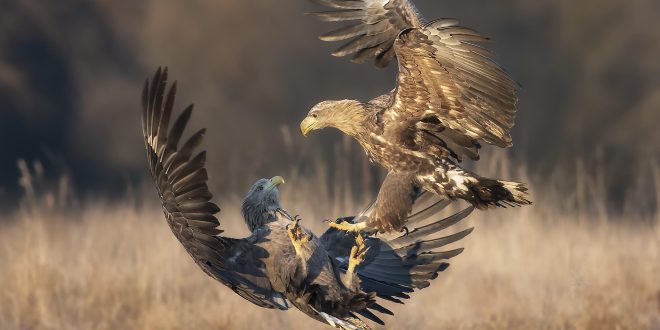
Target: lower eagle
{"x":335,"y":278}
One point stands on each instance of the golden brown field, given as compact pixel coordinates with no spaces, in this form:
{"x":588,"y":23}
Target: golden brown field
{"x":90,"y":264}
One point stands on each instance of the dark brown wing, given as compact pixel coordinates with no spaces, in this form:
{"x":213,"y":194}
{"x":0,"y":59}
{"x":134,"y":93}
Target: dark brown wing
{"x":181,"y":181}
{"x":397,"y":265}
{"x":377,"y":24}
{"x":445,"y":76}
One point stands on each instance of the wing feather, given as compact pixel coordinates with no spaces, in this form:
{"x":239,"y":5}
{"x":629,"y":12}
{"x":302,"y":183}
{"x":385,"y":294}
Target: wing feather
{"x":181,"y":183}
{"x":442,"y":72}
{"x":378,"y":22}
{"x":396,"y":266}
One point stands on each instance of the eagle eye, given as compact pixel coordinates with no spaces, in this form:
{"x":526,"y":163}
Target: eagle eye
{"x":315,"y":115}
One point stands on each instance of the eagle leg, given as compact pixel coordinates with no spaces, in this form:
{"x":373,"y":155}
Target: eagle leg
{"x":358,"y":252}
{"x":349,"y":227}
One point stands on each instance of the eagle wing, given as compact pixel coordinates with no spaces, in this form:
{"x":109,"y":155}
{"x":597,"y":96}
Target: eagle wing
{"x":181,"y":181}
{"x":397,"y":265}
{"x":450,"y":90}
{"x":446,"y":80}
{"x":377,"y":24}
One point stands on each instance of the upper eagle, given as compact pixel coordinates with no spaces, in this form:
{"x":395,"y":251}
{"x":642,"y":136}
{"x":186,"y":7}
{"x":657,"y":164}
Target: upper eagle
{"x":450,"y":96}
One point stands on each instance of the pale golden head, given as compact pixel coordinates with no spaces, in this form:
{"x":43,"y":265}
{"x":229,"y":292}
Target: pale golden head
{"x":341,"y":114}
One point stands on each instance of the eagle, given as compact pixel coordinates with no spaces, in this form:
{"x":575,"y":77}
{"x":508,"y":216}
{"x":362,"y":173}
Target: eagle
{"x":450,"y":97}
{"x":335,"y":278}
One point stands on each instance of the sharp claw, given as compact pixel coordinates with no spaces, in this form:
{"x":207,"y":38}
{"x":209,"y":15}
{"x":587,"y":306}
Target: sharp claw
{"x":363,"y":254}
{"x":359,"y":239}
{"x":361,"y":247}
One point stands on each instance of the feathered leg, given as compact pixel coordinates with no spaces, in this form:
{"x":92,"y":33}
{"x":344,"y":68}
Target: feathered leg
{"x":393,"y":204}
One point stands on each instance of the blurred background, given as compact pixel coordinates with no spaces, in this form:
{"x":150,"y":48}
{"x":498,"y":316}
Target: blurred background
{"x":83,"y":244}
{"x":71,"y":73}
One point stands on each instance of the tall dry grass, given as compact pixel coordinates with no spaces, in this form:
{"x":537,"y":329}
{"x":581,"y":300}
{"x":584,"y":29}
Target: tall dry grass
{"x":566,"y":262}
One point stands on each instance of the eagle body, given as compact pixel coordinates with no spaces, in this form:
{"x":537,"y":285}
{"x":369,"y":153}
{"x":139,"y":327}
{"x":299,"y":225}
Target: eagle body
{"x":419,"y":154}
{"x":308,"y":279}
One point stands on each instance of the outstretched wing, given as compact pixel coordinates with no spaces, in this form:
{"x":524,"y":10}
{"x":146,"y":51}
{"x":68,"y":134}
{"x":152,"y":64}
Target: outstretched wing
{"x":446,"y":79}
{"x":449,"y":88}
{"x":181,"y":181}
{"x":377,"y":24}
{"x":396,"y":266}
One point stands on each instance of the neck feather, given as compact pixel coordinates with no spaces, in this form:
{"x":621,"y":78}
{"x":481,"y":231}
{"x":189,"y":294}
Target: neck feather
{"x":352,"y":120}
{"x":256,"y":215}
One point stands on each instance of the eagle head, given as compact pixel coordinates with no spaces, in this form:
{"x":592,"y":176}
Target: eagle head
{"x":262,"y":197}
{"x":344,"y":115}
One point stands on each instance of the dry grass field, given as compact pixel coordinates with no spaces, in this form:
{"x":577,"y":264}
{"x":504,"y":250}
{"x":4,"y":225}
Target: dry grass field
{"x":93,"y":264}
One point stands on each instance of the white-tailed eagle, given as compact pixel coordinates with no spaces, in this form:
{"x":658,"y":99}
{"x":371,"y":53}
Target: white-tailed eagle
{"x":450,"y":96}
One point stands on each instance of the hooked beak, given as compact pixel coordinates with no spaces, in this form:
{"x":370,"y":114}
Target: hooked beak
{"x":308,"y":124}
{"x":274,"y":182}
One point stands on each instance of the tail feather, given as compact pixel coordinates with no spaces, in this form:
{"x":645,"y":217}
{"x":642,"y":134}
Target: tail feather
{"x":490,"y":193}
{"x":346,"y":322}
{"x":456,"y":183}
{"x":356,"y":322}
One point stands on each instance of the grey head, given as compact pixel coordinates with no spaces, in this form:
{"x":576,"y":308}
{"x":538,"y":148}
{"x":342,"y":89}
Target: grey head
{"x":263,"y":197}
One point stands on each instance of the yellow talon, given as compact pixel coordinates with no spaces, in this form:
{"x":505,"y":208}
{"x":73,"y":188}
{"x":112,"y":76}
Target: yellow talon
{"x":297,"y":235}
{"x":349,"y":227}
{"x":358,"y":252}
{"x":359,"y":240}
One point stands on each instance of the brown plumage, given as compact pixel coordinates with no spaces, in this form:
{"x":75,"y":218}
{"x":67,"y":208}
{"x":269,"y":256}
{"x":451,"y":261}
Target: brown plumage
{"x":450,"y":96}
{"x":333,"y":278}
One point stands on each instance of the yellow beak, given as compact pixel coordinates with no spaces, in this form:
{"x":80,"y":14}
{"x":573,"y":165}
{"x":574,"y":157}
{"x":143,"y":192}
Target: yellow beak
{"x":276,"y":181}
{"x":307,"y":125}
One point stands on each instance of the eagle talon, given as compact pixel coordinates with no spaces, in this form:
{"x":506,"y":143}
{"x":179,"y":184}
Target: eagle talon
{"x":406,"y":230}
{"x":358,"y":253}
{"x":297,"y":236}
